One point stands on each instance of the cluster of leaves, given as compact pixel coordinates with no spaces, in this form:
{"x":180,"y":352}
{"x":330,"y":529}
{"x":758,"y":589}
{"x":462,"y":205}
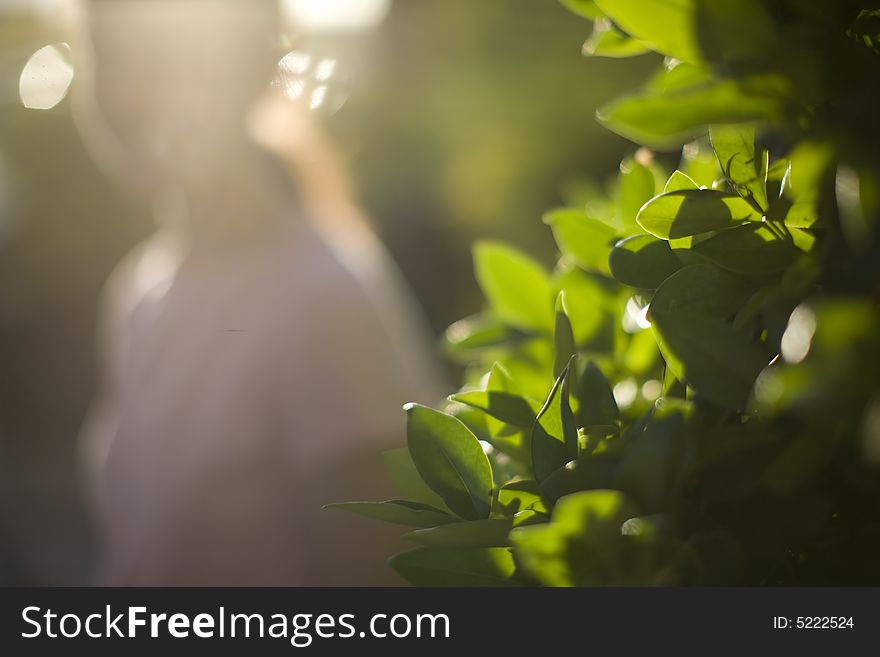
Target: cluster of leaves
{"x":691,"y":396}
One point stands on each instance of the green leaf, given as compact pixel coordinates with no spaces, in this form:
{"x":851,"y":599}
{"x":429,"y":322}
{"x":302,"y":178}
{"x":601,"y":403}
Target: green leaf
{"x":589,"y":472}
{"x":554,"y":433}
{"x":651,"y":463}
{"x":596,"y":405}
{"x":668,"y":118}
{"x":643,"y":261}
{"x":451,"y":461}
{"x":735,"y":148}
{"x":518,"y":288}
{"x":474,"y":534}
{"x":756,"y":249}
{"x":399,"y":512}
{"x":505,"y":406}
{"x":706,"y":289}
{"x":456,"y":567}
{"x":607,"y":41}
{"x":563,"y":337}
{"x":690,"y":212}
{"x":478,"y":333}
{"x":636,"y":186}
{"x":710,"y":355}
{"x":590,"y":306}
{"x":667,"y":26}
{"x":579,"y":545}
{"x":583,"y":8}
{"x":586,"y":241}
{"x":406,"y":478}
{"x":680,"y":181}
{"x":521,"y":495}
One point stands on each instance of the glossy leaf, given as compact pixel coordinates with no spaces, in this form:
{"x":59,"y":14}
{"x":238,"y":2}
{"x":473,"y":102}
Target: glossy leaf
{"x":521,"y":495}
{"x":690,"y":212}
{"x":666,"y":25}
{"x":451,"y":461}
{"x":665,"y":119}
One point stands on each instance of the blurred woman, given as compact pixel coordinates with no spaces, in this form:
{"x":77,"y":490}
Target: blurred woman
{"x":259,"y":347}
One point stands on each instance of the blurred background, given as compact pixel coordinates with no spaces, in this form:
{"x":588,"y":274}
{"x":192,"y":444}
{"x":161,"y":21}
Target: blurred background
{"x":457,"y":120}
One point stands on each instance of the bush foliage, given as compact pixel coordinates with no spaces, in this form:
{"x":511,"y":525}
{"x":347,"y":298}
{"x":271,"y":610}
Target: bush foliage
{"x":691,"y":395}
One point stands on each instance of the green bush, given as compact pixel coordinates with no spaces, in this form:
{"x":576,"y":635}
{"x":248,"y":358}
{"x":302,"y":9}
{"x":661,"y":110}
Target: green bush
{"x":692,"y":395}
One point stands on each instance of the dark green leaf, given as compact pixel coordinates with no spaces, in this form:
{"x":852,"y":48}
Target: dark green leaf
{"x":643,"y":261}
{"x":399,"y":512}
{"x":706,"y":289}
{"x":456,"y":567}
{"x":406,"y":478}
{"x":505,"y":406}
{"x":596,"y":405}
{"x":756,"y":249}
{"x":554,"y":433}
{"x":474,"y":534}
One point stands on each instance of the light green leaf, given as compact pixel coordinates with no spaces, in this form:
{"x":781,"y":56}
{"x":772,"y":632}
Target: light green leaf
{"x":690,"y":212}
{"x":643,"y":261}
{"x":607,"y":41}
{"x":563,"y":337}
{"x":679,"y":181}
{"x":457,"y":567}
{"x":586,"y":241}
{"x":665,"y":119}
{"x":578,"y":546}
{"x":521,"y":495}
{"x":667,"y":26}
{"x":399,"y":512}
{"x":518,"y":288}
{"x":451,"y":461}
{"x":583,"y":8}
{"x":747,"y":169}
{"x":636,"y":186}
